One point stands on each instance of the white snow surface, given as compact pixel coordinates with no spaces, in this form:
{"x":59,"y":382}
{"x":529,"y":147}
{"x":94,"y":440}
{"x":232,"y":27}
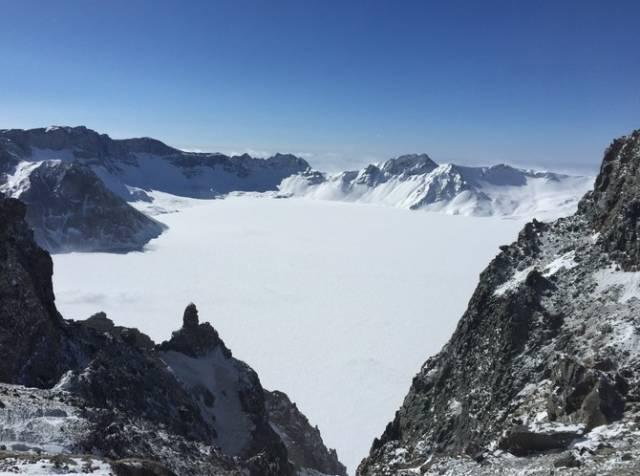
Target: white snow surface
{"x":336,"y":304}
{"x":566,"y":261}
{"x":19,"y":182}
{"x":626,"y":284}
{"x":512,"y":284}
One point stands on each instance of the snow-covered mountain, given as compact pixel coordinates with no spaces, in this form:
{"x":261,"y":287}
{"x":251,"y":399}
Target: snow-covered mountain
{"x":70,"y":209}
{"x":416,"y":182}
{"x":542,"y":375}
{"x":130,"y":166}
{"x":76,"y":182}
{"x":186,"y":406}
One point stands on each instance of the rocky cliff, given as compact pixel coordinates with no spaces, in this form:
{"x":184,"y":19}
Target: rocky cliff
{"x":70,"y":388}
{"x":542,"y":375}
{"x":304,"y":443}
{"x":33,"y":339}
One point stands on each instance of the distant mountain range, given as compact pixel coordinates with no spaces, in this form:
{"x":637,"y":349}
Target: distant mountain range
{"x":77,"y":182}
{"x":129,"y":166}
{"x":418,"y":183}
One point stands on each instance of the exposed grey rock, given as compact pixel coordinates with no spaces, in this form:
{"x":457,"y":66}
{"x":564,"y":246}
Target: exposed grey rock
{"x":194,"y":339}
{"x":567,"y":460}
{"x":137,"y":467}
{"x":35,"y":346}
{"x":614,"y":205}
{"x":523,"y":442}
{"x":304,"y":444}
{"x":227,"y":391}
{"x":190,"y":320}
{"x":547,"y":356}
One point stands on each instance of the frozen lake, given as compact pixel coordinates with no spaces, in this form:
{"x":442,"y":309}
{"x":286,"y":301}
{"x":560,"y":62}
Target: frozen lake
{"x":335,"y":304}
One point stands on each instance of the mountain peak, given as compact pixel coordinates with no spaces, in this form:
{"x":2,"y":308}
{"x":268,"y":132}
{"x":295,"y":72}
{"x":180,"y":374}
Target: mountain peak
{"x":410,"y":164}
{"x":194,"y":339}
{"x":190,"y":318}
{"x":614,"y":205}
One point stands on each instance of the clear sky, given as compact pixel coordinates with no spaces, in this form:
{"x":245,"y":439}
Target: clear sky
{"x":545,"y":83}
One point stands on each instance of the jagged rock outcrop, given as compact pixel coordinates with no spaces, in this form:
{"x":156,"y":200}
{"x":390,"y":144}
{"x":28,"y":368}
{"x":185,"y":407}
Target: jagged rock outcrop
{"x":614,"y":204}
{"x":227,"y":391}
{"x":69,"y":388}
{"x":303,"y":441}
{"x":545,"y":363}
{"x":35,"y":347}
{"x":416,"y":182}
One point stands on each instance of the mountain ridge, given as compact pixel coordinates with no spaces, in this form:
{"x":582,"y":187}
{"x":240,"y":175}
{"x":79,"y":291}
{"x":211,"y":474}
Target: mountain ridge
{"x":114,"y":157}
{"x":416,"y":182}
{"x":77,"y":183}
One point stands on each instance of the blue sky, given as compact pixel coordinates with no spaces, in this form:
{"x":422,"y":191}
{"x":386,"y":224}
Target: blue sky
{"x":546,"y":83}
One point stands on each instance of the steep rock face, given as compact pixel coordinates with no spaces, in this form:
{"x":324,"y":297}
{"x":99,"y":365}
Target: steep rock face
{"x":545,"y":361}
{"x":303,"y":441}
{"x":33,"y":340}
{"x":614,"y":205}
{"x":185,"y":407}
{"x":70,"y":209}
{"x":416,"y":182}
{"x":228,"y":393}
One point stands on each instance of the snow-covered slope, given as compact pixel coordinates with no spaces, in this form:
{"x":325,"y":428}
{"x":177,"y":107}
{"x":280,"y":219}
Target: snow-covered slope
{"x":417,"y":182}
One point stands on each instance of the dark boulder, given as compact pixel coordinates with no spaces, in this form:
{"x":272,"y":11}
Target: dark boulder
{"x":523,"y":442}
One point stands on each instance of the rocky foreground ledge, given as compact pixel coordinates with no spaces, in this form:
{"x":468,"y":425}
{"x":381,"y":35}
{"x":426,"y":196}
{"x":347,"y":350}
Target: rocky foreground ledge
{"x":90,"y":396}
{"x":542,"y":375}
